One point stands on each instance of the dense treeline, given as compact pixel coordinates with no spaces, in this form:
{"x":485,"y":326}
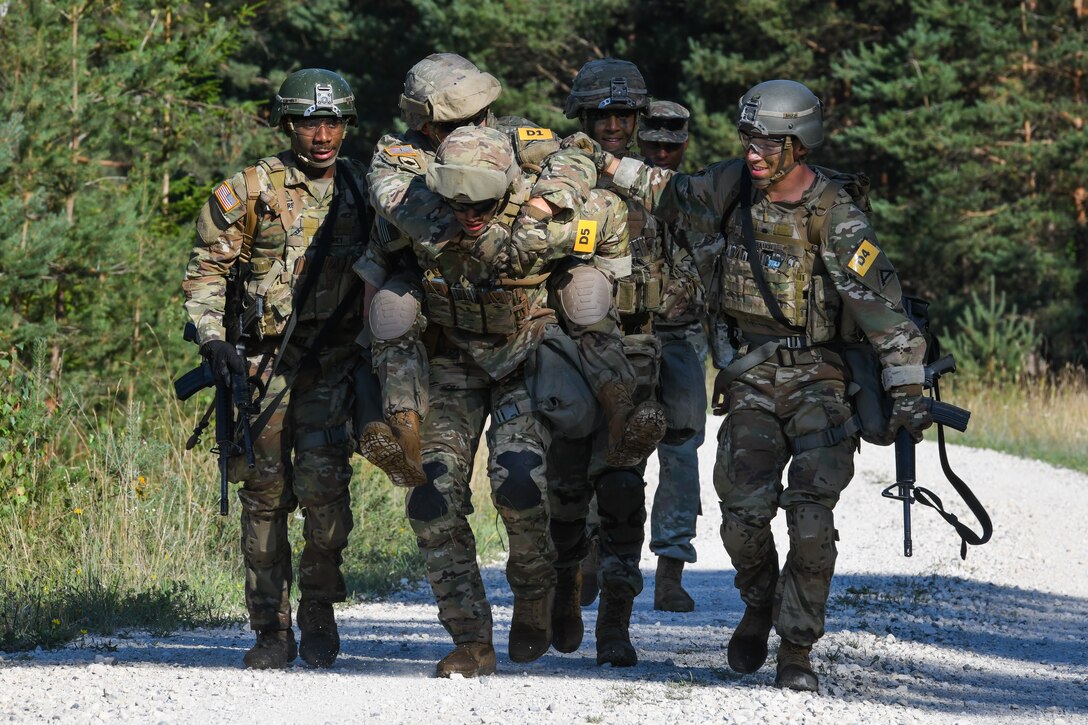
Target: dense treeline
{"x":119,"y":117}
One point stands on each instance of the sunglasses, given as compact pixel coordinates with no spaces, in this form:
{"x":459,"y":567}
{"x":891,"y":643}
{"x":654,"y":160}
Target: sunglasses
{"x":480,"y":207}
{"x":764,"y":145}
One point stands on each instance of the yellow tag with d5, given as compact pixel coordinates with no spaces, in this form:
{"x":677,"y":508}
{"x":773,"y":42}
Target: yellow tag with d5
{"x":864,"y":258}
{"x":535,"y":134}
{"x":586,"y":239}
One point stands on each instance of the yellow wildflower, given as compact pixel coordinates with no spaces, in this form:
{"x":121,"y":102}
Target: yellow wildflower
{"x":77,"y":511}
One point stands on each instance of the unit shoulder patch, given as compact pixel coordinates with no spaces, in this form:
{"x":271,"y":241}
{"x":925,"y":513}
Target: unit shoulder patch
{"x":864,"y":257}
{"x":585,"y":242}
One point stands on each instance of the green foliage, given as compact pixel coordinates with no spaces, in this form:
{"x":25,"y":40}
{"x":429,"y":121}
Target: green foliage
{"x":995,"y":342}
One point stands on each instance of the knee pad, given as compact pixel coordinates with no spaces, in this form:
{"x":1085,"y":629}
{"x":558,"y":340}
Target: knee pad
{"x":328,"y":524}
{"x":812,"y":537}
{"x":585,"y":296}
{"x":621,"y":502}
{"x":425,"y":503}
{"x":392,"y":314}
{"x":746,"y":540}
{"x":519,"y":491}
{"x":264,"y":540}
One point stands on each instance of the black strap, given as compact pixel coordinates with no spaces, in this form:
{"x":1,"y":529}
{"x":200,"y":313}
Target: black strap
{"x":928,"y":498}
{"x":755,"y":260}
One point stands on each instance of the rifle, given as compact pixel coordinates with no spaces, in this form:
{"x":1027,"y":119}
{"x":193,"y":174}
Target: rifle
{"x":229,"y":395}
{"x":943,"y":414}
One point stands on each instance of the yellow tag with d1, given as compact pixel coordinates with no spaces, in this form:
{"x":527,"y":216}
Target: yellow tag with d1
{"x":535,"y":134}
{"x":585,"y":240}
{"x":864,"y":258}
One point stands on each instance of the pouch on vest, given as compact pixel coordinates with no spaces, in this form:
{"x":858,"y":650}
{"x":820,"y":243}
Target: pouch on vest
{"x":558,"y":385}
{"x":643,"y":351}
{"x":683,"y":382}
{"x":872,"y":404}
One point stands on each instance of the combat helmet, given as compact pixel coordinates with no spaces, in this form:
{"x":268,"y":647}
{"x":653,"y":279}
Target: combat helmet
{"x":473,"y":164}
{"x":606,"y":83}
{"x":313,"y":92}
{"x":445,"y":87}
{"x":782,"y":108}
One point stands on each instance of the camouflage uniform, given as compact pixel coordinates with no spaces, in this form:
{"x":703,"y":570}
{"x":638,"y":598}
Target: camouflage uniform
{"x":302,"y":452}
{"x":799,"y":390}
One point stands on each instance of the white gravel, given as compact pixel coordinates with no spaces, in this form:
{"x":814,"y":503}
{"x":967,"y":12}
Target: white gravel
{"x":998,"y":638}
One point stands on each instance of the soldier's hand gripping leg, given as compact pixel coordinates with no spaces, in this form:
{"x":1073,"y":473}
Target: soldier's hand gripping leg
{"x":805,"y":588}
{"x":401,"y":364}
{"x":586,"y":306}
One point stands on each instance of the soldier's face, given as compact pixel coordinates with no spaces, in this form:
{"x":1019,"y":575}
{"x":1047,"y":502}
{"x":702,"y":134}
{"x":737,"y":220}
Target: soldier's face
{"x":663,"y":154}
{"x":612,"y":129}
{"x":474,"y":218}
{"x":317,"y":140}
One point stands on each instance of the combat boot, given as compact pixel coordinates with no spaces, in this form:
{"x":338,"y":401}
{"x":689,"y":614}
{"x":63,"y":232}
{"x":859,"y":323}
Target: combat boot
{"x":633,"y":431}
{"x":531,"y":627}
{"x":748,"y":645}
{"x":567,"y":627}
{"x":468,"y":660}
{"x":794,"y":669}
{"x":274,"y":650}
{"x":613,"y":631}
{"x":669,"y":593}
{"x":319,"y":640}
{"x":394,"y":447}
{"x":588,"y":567}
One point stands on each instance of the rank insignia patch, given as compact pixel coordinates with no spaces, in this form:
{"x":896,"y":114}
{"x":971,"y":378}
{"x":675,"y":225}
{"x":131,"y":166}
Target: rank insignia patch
{"x":864,"y":258}
{"x":226,"y":198}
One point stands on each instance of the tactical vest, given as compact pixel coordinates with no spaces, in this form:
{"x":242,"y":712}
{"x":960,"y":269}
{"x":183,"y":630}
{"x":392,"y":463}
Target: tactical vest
{"x":791,"y":265}
{"x":287,"y":221}
{"x":640,"y":292}
{"x":496,"y":307}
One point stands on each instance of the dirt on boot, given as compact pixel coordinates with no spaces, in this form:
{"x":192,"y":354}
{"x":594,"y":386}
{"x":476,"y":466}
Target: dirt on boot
{"x":274,"y":650}
{"x":795,"y":669}
{"x":468,"y":660}
{"x":633,"y":431}
{"x":319,"y":639}
{"x":394,"y":447}
{"x":531,"y":627}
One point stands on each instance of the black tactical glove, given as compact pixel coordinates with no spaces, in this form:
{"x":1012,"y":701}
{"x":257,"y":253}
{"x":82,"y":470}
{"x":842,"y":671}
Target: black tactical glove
{"x":910,"y":410}
{"x":224,"y":358}
{"x":719,"y":399}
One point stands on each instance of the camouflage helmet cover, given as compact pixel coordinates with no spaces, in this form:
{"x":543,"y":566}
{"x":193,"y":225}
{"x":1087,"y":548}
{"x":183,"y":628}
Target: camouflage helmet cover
{"x":664,"y":122}
{"x":473,"y":164}
{"x":782,"y":108}
{"x":606,"y":83}
{"x":446,"y":87}
{"x":313,"y":92}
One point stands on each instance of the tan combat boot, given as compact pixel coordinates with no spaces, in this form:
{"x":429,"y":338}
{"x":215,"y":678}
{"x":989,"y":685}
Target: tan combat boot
{"x":319,"y":639}
{"x":794,"y":669}
{"x":567,"y":627}
{"x":614,"y":631}
{"x":394,"y":448}
{"x":633,"y":431}
{"x":468,"y":660}
{"x":531,"y":627}
{"x":748,"y":645}
{"x":274,"y":650}
{"x":669,"y":593}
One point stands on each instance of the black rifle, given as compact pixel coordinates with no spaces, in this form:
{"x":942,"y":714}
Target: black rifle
{"x":230,"y":395}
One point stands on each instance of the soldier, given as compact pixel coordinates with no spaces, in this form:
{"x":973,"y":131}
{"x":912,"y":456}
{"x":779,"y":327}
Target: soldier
{"x":663,"y":139}
{"x":607,"y":96}
{"x":801,"y":273}
{"x":438,"y":91}
{"x":280,"y":237}
{"x":489,"y":306}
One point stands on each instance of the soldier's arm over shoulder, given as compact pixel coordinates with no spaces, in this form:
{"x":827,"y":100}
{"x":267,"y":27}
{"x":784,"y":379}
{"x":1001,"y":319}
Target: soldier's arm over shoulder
{"x":869,"y":287}
{"x":395,"y":164}
{"x":694,"y":202}
{"x":218,"y":243}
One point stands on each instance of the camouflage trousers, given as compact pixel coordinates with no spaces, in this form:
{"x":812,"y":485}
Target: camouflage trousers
{"x":769,"y":406}
{"x":676,"y":504}
{"x":302,"y":457}
{"x":582,"y":487}
{"x":401,"y":361}
{"x":462,"y":397}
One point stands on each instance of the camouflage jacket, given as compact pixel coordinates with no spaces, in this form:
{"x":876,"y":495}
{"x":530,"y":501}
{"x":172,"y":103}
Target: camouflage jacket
{"x":854,"y":288}
{"x":291,"y":210}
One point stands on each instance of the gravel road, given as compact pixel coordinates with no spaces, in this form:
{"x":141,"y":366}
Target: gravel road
{"x":998,"y":638}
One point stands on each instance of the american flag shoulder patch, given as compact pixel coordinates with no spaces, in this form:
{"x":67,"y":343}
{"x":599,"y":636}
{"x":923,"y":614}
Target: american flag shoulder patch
{"x":226,"y":198}
{"x":400,"y":150}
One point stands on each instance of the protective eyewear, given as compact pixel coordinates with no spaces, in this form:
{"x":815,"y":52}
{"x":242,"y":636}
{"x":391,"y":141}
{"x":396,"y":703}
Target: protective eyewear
{"x":480,"y":207}
{"x":764,"y":145}
{"x":310,"y":126}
